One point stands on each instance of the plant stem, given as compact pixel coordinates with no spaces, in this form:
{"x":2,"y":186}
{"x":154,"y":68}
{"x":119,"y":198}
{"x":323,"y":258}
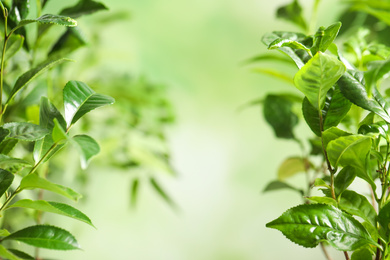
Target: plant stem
{"x":328,"y":257}
{"x":346,"y":255}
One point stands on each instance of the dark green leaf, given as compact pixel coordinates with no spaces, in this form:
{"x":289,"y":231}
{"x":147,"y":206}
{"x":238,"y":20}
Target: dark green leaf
{"x":317,"y":77}
{"x":45,"y":236}
{"x":6,"y":179}
{"x":344,"y":178}
{"x":278,"y":113}
{"x":19,"y":10}
{"x":358,"y":205}
{"x":308,"y":225}
{"x":7,"y":146}
{"x":21,"y":254}
{"x":83,"y":7}
{"x":33,"y":181}
{"x":324,"y":37}
{"x":293,"y":13}
{"x":79,"y":99}
{"x":70,"y":41}
{"x":279,"y":185}
{"x":88,"y":148}
{"x":361,"y":254}
{"x":25,"y":131}
{"x":48,"y":19}
{"x":52,"y":207}
{"x":7,"y":254}
{"x":28,"y":76}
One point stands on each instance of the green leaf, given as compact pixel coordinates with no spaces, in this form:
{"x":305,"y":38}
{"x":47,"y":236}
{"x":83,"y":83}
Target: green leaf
{"x":88,"y":148}
{"x":7,"y":146}
{"x":52,"y":207}
{"x":279,"y":114}
{"x":317,"y":76}
{"x":278,"y":43}
{"x":15,"y":43}
{"x":349,"y":150}
{"x":353,"y":88}
{"x":275,"y":73}
{"x":361,"y":254}
{"x":33,"y":181}
{"x":269,"y":57}
{"x":79,"y":99}
{"x":292,"y":166}
{"x":344,"y":178}
{"x":323,"y":200}
{"x":325,"y":37}
{"x":279,"y":185}
{"x":70,"y":41}
{"x":320,"y":183}
{"x":384,"y":217}
{"x":160,"y":191}
{"x":28,"y":76}
{"x":8,"y":162}
{"x":308,"y":225}
{"x":7,"y":254}
{"x":358,"y":205}
{"x":377,"y":70}
{"x":58,"y":133}
{"x":48,"y":19}
{"x":83,"y":7}
{"x":25,"y":131}
{"x":19,"y":10}
{"x":332,"y":134}
{"x":293,"y":13}
{"x":45,"y":236}
{"x":6,"y":179}
{"x":134,"y":192}
{"x":21,"y":254}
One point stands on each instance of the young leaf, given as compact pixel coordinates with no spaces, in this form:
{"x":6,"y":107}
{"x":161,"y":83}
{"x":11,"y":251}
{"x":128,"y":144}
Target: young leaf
{"x":28,"y":76}
{"x":278,"y":43}
{"x":358,"y":205}
{"x":308,"y":225}
{"x":323,"y":200}
{"x":52,"y":207}
{"x":279,"y":185}
{"x":25,"y":131}
{"x":7,"y":254}
{"x":6,"y":179}
{"x":88,"y":148}
{"x":48,"y":19}
{"x":58,"y":133}
{"x":45,"y":236}
{"x":317,"y":77}
{"x":79,"y":99}
{"x":293,"y":13}
{"x":83,"y":7}
{"x":33,"y":181}
{"x":292,"y":166}
{"x":278,"y":113}
{"x":344,"y":178}
{"x":325,"y":37}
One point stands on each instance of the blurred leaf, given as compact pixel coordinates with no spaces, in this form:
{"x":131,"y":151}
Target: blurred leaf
{"x":377,"y":70}
{"x":6,"y":179}
{"x":317,"y":77}
{"x":269,"y":57}
{"x":275,"y":73}
{"x":52,"y":207}
{"x":361,"y":254}
{"x":293,"y":13}
{"x":25,"y":131}
{"x":80,"y":99}
{"x":33,"y":181}
{"x":21,"y":254}
{"x":324,"y":37}
{"x":344,"y":178}
{"x":83,"y":7}
{"x":134,"y":192}
{"x":278,"y":113}
{"x":157,"y":187}
{"x":291,"y":166}
{"x":45,"y":236}
{"x":88,"y":148}
{"x":339,"y":229}
{"x":7,"y":254}
{"x":8,"y":163}
{"x":15,"y":43}
{"x":7,"y":146}
{"x":279,"y":185}
{"x":70,"y":41}
{"x":19,"y":10}
{"x":28,"y":76}
{"x":321,"y":183}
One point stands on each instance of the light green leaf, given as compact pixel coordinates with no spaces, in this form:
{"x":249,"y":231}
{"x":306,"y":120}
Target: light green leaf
{"x":275,"y":73}
{"x":52,"y":207}
{"x":323,"y":200}
{"x":28,"y":76}
{"x":8,"y":162}
{"x":48,"y":19}
{"x":317,"y":76}
{"x":6,"y":254}
{"x":293,"y":13}
{"x":332,"y":134}
{"x":33,"y":181}
{"x":308,"y":225}
{"x":6,"y":179}
{"x":88,"y":148}
{"x":15,"y":43}
{"x":58,"y":133}
{"x":83,"y":7}
{"x":45,"y":236}
{"x":279,"y":185}
{"x":292,"y":166}
{"x":80,"y":99}
{"x":25,"y":131}
{"x":278,"y":43}
{"x":321,"y":183}
{"x":134,"y":192}
{"x":324,"y":37}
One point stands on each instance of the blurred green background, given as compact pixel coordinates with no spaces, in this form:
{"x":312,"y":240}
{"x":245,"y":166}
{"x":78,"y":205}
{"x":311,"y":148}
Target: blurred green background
{"x":223,"y":156}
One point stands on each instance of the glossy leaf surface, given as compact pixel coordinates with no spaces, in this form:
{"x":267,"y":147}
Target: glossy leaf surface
{"x":45,"y":236}
{"x":33,"y":181}
{"x":25,"y":131}
{"x":88,"y":148}
{"x":52,"y":207}
{"x":308,"y":225}
{"x":317,"y":76}
{"x":80,"y":99}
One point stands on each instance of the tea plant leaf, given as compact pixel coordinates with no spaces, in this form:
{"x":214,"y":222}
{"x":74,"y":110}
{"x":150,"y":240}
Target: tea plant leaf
{"x":25,"y":131}
{"x":293,"y":13}
{"x":344,"y":178}
{"x":7,"y":254}
{"x":278,"y":43}
{"x":160,"y":191}
{"x":278,"y":113}
{"x":317,"y":77}
{"x":33,"y":181}
{"x":377,"y":70}
{"x":361,"y":254}
{"x":7,"y":162}
{"x":6,"y":179}
{"x":358,"y":205}
{"x":45,"y":236}
{"x":330,"y":224}
{"x":332,"y":134}
{"x":80,"y":99}
{"x":15,"y":43}
{"x":134,"y":192}
{"x":349,"y":150}
{"x":21,"y":254}
{"x":323,"y":200}
{"x":353,"y":88}
{"x":52,"y":207}
{"x":275,"y":73}
{"x":83,"y":7}
{"x":324,"y":37}
{"x":279,"y":185}
{"x":7,"y":146}
{"x":48,"y":19}
{"x":58,"y":133}
{"x":291,"y":166}
{"x":70,"y":41}
{"x":384,"y":217}
{"x":28,"y":76}
{"x":88,"y":148}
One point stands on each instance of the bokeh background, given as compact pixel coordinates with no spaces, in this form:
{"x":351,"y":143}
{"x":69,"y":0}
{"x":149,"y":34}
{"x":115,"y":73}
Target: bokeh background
{"x":223,"y":155}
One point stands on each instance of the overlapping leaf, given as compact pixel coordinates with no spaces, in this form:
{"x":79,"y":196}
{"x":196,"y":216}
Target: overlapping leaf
{"x":25,"y":131}
{"x":324,"y":37}
{"x":88,"y":148}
